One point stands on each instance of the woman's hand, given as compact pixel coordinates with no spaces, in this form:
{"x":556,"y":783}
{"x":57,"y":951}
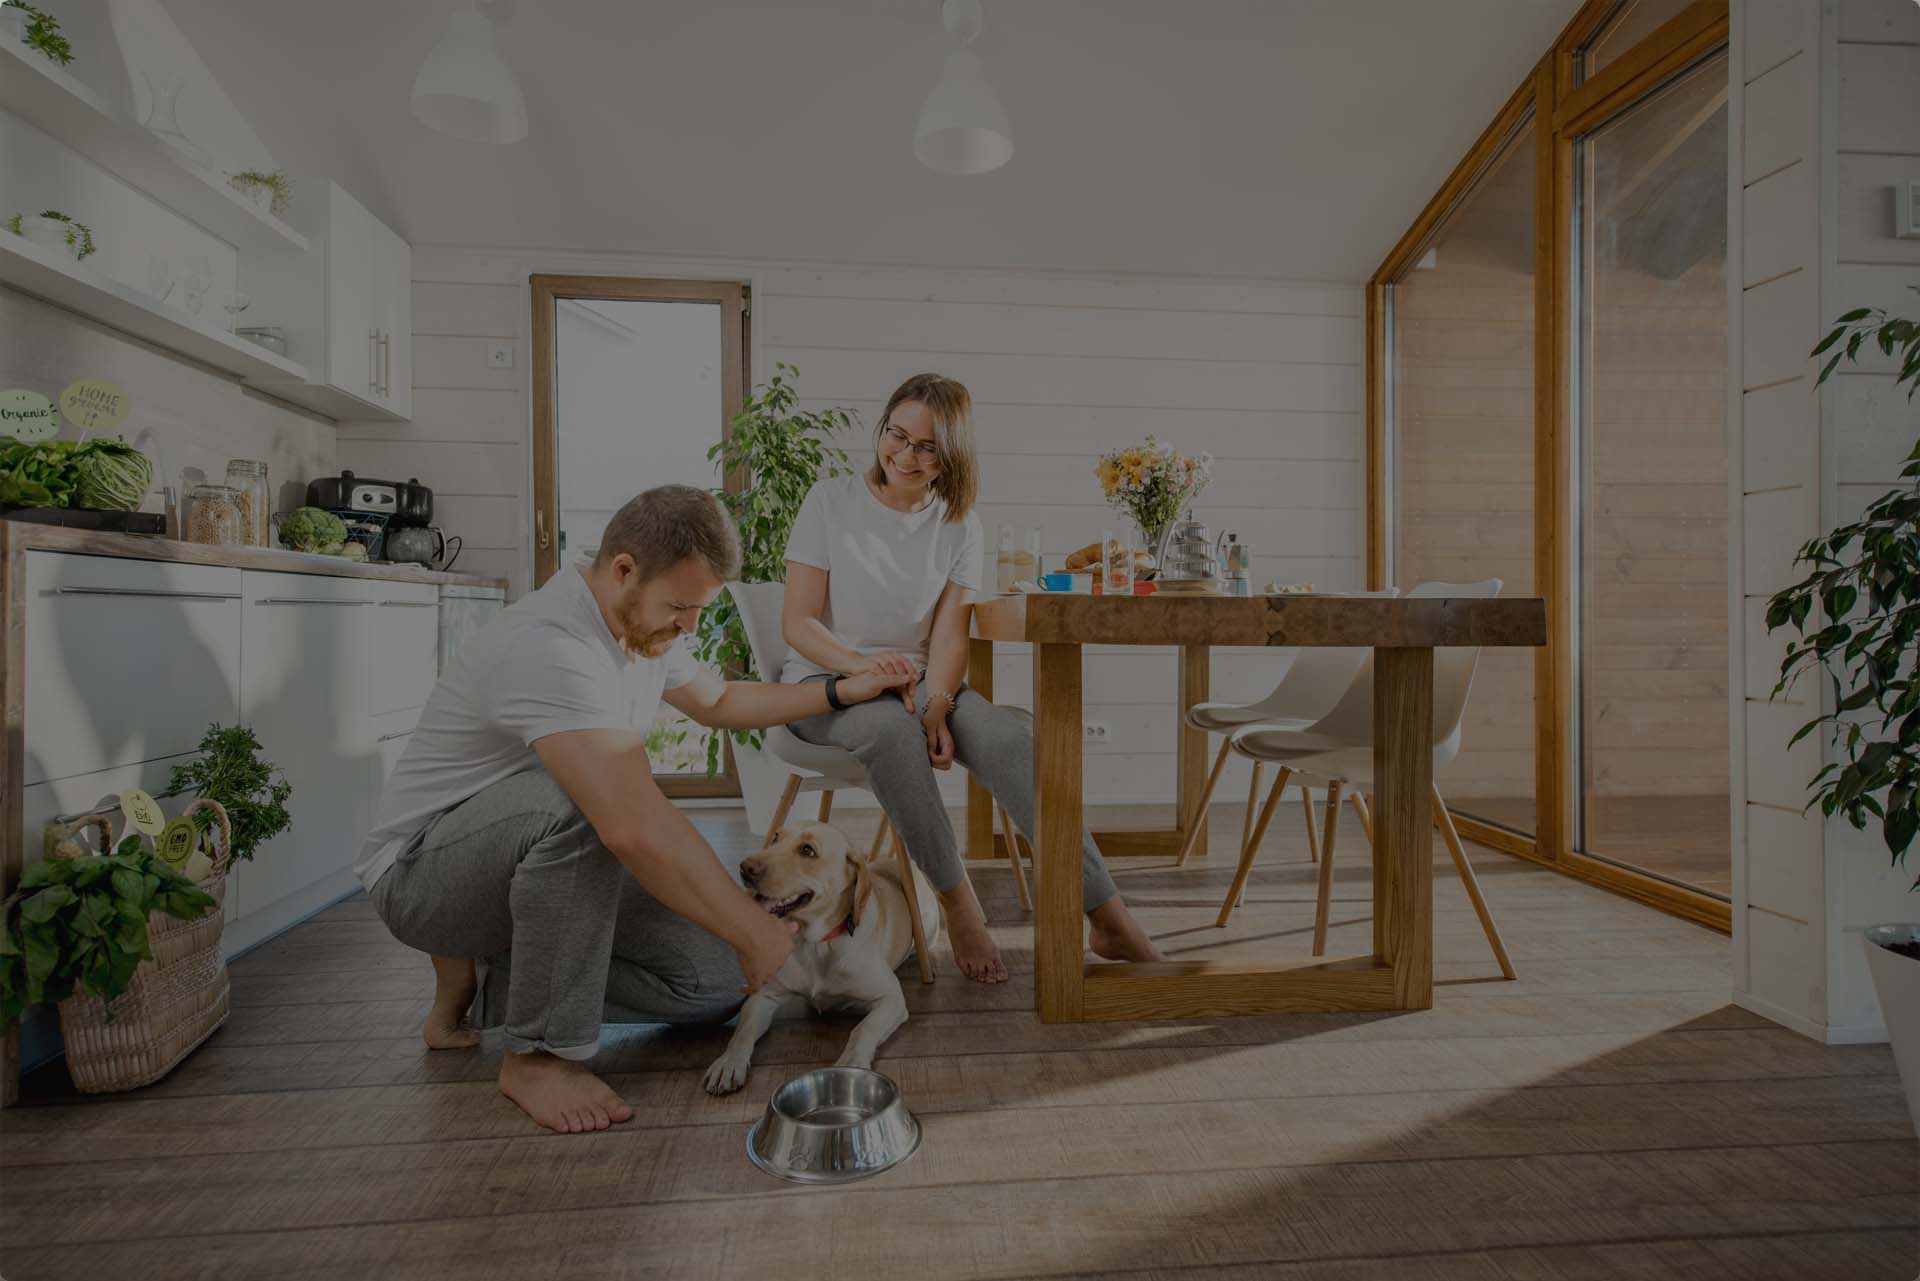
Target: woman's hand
{"x":892,"y":664}
{"x":858,"y":689}
{"x":939,"y":735}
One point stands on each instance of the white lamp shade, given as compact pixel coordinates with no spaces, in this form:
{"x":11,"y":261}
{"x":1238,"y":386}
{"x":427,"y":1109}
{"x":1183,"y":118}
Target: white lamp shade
{"x":963,"y":128}
{"x":465,"y":89}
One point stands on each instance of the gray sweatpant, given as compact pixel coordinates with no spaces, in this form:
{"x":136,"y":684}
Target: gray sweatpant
{"x":994,"y":744}
{"x":516,"y":879}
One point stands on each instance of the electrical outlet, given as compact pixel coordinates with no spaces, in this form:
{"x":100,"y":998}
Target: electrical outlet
{"x":1096,"y":732}
{"x":500,"y":356}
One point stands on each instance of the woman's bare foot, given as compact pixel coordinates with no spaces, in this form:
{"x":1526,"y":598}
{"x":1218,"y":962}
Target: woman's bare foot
{"x":561,"y":1094}
{"x":454,"y":984}
{"x":1114,"y":935}
{"x":974,"y":950}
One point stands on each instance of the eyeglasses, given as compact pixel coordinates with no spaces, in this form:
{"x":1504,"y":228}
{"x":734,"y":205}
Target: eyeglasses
{"x":925,"y":450}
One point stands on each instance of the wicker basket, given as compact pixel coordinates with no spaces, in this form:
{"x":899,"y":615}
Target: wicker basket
{"x":175,"y":1001}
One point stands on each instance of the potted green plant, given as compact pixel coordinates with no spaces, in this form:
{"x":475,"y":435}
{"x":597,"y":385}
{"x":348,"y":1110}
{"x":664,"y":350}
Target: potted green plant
{"x":37,"y":29}
{"x":51,"y":229}
{"x":268,"y":191}
{"x":777,"y":451}
{"x":253,"y":792}
{"x":1856,"y":618}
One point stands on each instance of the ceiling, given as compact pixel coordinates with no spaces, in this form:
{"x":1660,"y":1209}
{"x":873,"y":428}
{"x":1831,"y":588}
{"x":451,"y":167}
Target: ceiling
{"x":1252,"y":138}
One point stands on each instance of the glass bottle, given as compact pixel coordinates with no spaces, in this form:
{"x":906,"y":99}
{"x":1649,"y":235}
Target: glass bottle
{"x":249,"y":479}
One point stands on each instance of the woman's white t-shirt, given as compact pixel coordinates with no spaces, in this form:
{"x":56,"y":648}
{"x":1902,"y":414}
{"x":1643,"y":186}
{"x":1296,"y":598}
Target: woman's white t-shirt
{"x":885,"y":569}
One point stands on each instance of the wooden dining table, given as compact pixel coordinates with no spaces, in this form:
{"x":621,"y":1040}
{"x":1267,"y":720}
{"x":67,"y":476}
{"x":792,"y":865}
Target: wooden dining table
{"x":1398,"y":973}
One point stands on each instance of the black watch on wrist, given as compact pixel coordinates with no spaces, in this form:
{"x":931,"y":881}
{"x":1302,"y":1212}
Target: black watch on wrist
{"x":833,"y":694}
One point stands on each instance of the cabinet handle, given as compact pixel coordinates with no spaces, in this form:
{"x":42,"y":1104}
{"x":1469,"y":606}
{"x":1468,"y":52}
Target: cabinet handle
{"x":144,"y":591}
{"x":410,"y":604}
{"x":386,"y":363}
{"x":373,"y":361}
{"x":388,"y":738}
{"x":308,"y":600}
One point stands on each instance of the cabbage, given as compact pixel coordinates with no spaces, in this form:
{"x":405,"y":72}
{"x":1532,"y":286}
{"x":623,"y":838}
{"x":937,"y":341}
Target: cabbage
{"x":113,"y":476}
{"x":313,"y":529}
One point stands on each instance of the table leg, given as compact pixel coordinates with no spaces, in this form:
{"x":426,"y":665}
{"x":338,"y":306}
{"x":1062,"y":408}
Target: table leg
{"x":1194,"y":672}
{"x":1403,"y":821}
{"x":980,"y":838}
{"x":1058,"y":944}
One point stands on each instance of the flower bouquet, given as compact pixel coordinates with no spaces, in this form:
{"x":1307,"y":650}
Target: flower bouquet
{"x":1152,"y":483}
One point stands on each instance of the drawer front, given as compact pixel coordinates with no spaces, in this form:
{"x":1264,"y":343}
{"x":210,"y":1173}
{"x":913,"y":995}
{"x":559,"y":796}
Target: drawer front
{"x":127,"y":660}
{"x":403,"y":657}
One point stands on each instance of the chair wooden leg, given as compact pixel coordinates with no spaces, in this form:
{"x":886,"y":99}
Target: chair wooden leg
{"x":1364,"y":814}
{"x":1252,"y":847}
{"x":1445,"y":818}
{"x":1013,"y":856}
{"x":1325,"y":896}
{"x":880,"y":836}
{"x":1313,"y":837}
{"x":783,"y":809}
{"x":920,"y":952}
{"x":1253,"y":803}
{"x":826,"y":805}
{"x":1206,"y":795}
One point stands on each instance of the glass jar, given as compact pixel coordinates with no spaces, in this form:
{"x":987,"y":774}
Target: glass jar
{"x":249,"y":479}
{"x":1003,"y":563}
{"x":214,"y":516}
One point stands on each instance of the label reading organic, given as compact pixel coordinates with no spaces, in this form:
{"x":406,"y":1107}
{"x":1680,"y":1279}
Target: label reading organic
{"x":95,"y":404}
{"x":176,"y":841}
{"x":142,"y":811}
{"x":27,"y":415}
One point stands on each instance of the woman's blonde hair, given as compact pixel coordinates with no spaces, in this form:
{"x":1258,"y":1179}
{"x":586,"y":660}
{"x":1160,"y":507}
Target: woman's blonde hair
{"x":951,"y":407}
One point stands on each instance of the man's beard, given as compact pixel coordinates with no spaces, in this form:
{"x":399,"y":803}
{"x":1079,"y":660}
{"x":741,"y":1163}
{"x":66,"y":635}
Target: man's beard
{"x":638,"y":642}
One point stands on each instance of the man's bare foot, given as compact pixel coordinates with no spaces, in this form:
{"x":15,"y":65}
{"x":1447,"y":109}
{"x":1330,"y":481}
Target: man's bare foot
{"x":1114,"y":935}
{"x":561,"y":1094}
{"x":974,"y":950}
{"x":454,"y":984}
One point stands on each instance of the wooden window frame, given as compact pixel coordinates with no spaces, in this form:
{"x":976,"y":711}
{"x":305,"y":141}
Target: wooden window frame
{"x":733,"y":298}
{"x":1561,"y":111}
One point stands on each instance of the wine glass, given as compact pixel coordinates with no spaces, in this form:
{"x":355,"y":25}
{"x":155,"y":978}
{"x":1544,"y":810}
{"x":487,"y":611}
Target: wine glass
{"x":196,"y":280}
{"x":236,"y":303}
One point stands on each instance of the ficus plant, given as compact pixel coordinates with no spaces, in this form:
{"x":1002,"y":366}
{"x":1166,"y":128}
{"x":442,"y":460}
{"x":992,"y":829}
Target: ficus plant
{"x":777,"y":451}
{"x":1856,"y":618}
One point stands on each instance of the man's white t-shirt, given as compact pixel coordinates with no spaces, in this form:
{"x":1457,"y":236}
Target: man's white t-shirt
{"x":885,"y":569}
{"x":547,"y":665}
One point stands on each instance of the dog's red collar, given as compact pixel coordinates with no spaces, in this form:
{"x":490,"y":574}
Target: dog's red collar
{"x":845,"y":927}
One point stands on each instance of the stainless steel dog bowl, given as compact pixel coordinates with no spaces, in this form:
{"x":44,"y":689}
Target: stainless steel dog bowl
{"x":833,"y":1126}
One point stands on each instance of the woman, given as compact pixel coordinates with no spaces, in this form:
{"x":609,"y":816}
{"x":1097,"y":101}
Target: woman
{"x":881,"y":569}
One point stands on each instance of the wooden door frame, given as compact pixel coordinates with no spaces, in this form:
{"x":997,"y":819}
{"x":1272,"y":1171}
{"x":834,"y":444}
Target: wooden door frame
{"x":734,"y":300}
{"x":1561,"y":108}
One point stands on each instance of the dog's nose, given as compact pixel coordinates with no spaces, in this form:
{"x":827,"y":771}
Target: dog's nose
{"x":751,"y":869}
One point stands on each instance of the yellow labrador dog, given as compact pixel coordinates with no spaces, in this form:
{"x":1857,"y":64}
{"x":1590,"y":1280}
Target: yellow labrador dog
{"x":854,"y":932}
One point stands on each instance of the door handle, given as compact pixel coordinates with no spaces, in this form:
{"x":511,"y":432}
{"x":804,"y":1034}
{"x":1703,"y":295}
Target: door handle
{"x":540,"y":528}
{"x":144,"y":591}
{"x":410,"y":604}
{"x":308,"y":600}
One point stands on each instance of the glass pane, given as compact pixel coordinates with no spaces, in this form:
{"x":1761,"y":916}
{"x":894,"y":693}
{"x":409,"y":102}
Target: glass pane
{"x":638,"y":403}
{"x":1461,"y":404}
{"x":1653,"y":484}
{"x":1627,"y":26}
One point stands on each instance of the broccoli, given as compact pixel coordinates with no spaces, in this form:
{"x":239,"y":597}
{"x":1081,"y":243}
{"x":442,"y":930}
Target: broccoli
{"x":311,"y":529}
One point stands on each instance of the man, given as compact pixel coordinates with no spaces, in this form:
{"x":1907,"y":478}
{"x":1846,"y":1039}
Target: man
{"x":523,"y":825}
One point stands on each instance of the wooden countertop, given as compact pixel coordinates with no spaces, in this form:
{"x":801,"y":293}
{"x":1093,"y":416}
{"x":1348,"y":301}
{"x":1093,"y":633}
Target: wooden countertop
{"x":87,"y":542}
{"x":1298,"y":619}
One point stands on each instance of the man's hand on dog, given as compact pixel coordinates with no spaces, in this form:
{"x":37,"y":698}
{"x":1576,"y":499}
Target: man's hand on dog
{"x":768,"y":950}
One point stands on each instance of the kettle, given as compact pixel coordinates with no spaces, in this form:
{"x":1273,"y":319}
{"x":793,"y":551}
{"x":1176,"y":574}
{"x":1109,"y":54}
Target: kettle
{"x":422,"y":545}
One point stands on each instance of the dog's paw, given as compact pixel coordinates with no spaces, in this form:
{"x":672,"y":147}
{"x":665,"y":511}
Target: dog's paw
{"x":728,"y":1073}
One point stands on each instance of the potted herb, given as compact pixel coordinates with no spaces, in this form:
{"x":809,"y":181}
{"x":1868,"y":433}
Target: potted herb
{"x":229,"y":770}
{"x":269,"y":192}
{"x":1856,"y":617}
{"x":778,"y":451}
{"x":37,"y":29}
{"x":51,"y":229}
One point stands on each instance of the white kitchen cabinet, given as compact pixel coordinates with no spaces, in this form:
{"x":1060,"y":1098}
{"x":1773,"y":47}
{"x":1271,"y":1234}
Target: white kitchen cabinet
{"x":304,"y":668}
{"x":463,"y":612}
{"x":89,"y":707}
{"x":347,"y":308}
{"x":391,"y":734}
{"x":403,"y":642}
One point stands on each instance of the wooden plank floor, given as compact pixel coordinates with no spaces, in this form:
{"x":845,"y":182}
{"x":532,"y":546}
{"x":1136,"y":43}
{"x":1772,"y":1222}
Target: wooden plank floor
{"x":1608,"y":1115}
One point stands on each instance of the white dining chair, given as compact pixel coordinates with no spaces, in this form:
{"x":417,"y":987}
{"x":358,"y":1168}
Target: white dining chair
{"x":1338,"y":747}
{"x":1308,"y":688}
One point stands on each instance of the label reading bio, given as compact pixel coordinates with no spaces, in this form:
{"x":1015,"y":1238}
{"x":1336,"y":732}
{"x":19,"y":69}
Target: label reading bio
{"x":27,"y":415}
{"x":142,"y":811}
{"x":95,"y":404}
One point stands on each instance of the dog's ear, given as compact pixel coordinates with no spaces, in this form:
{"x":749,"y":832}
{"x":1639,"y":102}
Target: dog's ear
{"x":862,"y":886}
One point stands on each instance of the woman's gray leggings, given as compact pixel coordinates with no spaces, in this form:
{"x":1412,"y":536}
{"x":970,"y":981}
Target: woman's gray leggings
{"x":992,"y":742}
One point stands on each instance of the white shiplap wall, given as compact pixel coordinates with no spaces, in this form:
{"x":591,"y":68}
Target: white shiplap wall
{"x":1827,"y":111}
{"x":1265,"y":375}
